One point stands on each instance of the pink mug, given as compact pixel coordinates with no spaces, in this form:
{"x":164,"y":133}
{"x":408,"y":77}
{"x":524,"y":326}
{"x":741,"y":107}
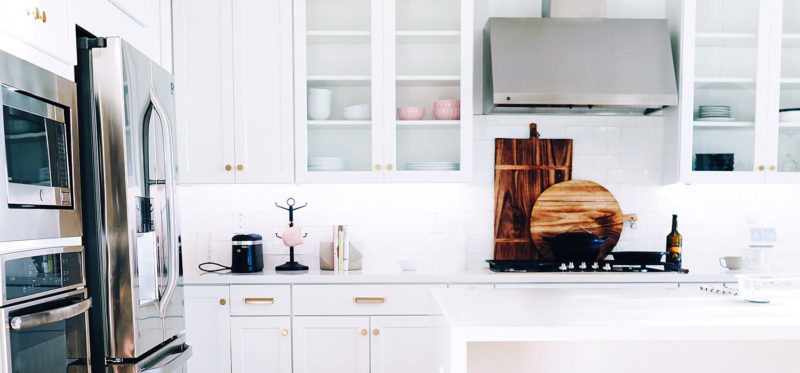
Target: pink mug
{"x":292,"y":237}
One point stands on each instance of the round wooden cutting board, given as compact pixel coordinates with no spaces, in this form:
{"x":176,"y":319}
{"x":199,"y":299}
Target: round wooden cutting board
{"x":576,"y":203}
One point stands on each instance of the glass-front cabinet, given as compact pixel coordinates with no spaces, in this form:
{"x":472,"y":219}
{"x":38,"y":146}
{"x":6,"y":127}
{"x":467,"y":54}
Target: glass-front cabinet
{"x":380,"y":89}
{"x":785,"y":157}
{"x":740,"y":80}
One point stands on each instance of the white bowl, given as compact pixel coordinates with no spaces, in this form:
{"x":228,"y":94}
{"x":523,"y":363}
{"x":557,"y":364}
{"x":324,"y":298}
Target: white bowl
{"x":357,"y":112}
{"x":789,"y":116}
{"x":408,"y":265}
{"x":319,"y":92}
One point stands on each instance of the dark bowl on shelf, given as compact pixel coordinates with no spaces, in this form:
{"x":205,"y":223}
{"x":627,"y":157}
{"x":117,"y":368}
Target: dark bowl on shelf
{"x":713,"y":162}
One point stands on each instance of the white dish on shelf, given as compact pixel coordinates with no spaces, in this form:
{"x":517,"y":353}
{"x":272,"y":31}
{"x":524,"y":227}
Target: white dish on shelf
{"x":789,"y":116}
{"x":432,"y":166}
{"x":357,"y":112}
{"x":326,"y":164}
{"x":715,"y":119}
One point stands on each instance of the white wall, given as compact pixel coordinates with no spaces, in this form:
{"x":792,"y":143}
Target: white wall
{"x":450,"y":226}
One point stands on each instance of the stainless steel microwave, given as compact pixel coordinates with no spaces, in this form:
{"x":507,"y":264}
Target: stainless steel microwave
{"x":39,"y":189}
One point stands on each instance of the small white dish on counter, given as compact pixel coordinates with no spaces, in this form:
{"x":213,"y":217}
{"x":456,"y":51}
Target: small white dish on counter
{"x":407,"y":265}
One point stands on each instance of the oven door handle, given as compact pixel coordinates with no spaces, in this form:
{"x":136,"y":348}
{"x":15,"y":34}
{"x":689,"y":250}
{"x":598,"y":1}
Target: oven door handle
{"x":50,"y":316}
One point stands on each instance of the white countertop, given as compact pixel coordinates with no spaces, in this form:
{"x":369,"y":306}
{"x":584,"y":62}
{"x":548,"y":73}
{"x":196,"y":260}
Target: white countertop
{"x":452,"y":277}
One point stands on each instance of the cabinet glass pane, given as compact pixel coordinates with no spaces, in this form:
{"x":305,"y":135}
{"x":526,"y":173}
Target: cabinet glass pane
{"x":428,"y":67}
{"x":790,"y":67}
{"x":339,"y":81}
{"x":789,"y":149}
{"x":726,"y":55}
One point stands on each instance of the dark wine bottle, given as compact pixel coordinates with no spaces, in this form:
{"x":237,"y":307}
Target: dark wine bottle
{"x":674,"y":244}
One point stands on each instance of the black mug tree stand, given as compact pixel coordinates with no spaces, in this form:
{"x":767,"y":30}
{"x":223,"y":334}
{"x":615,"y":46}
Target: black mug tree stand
{"x":291,"y":265}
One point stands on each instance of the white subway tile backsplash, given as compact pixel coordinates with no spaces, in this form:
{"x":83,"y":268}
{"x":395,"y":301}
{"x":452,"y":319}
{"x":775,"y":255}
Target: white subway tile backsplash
{"x":454,"y":223}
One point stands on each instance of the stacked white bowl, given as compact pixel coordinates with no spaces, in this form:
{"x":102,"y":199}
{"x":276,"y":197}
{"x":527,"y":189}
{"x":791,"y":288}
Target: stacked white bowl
{"x":326,"y":164}
{"x":319,"y":103}
{"x":356,"y":112}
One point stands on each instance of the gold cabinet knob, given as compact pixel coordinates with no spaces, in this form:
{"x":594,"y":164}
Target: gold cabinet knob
{"x":228,"y":167}
{"x":389,"y":167}
{"x":377,"y":167}
{"x":284,"y":332}
{"x":772,"y":167}
{"x":761,"y":168}
{"x":222,"y":302}
{"x":376,"y":332}
{"x":363,"y":331}
{"x":239,"y":167}
{"x":44,"y":17}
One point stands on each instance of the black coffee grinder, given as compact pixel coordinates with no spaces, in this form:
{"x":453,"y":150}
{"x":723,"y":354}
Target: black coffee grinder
{"x":247,"y":253}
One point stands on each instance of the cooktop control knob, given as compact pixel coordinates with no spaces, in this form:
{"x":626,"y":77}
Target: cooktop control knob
{"x":595,"y":266}
{"x":582,"y":266}
{"x":562,"y":267}
{"x":570,"y":265}
{"x":607,"y":267}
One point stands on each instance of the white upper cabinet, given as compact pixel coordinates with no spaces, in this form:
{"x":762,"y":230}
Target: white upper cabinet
{"x":737,"y":70}
{"x":233,"y":75}
{"x":145,"y":24}
{"x":40,"y":31}
{"x":356,"y":63}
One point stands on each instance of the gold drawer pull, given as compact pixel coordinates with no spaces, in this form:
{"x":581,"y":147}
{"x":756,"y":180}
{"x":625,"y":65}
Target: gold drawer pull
{"x":372,"y":300}
{"x":259,"y":300}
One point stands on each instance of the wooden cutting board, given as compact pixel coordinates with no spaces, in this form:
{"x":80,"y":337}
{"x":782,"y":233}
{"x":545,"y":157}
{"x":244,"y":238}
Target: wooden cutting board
{"x":524,"y":168}
{"x":576,"y":204}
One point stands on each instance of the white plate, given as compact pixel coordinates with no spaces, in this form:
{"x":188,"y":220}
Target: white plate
{"x":713,"y":119}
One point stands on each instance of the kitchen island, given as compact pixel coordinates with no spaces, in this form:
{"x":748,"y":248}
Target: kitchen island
{"x":551,"y":330}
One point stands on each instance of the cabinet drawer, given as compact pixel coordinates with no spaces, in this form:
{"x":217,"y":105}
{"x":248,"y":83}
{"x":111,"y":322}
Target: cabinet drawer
{"x":258,"y":300}
{"x":50,"y":32}
{"x":365,"y":299}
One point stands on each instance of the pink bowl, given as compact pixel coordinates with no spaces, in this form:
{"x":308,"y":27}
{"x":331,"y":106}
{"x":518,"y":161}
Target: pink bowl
{"x":447,"y":103}
{"x":447,"y":113}
{"x":410,"y":113}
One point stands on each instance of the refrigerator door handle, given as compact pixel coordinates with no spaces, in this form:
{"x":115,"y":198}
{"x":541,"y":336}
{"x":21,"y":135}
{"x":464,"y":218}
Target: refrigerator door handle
{"x":170,"y":365}
{"x":172,"y":229}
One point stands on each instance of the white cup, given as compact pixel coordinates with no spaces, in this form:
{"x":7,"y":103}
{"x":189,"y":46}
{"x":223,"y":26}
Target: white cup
{"x":731,"y":262}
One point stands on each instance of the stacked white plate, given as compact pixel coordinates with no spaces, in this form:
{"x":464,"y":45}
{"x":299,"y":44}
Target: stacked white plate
{"x":326,"y":164}
{"x":432,"y":166}
{"x":714,"y":112}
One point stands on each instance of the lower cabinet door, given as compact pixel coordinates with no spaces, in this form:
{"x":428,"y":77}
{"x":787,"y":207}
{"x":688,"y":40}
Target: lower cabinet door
{"x":403,"y":344}
{"x":208,"y":328}
{"x":261,"y":344}
{"x":338,"y":344}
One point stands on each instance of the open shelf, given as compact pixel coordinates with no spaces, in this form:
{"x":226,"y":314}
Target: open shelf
{"x":791,"y":40}
{"x":427,"y":123}
{"x":726,"y":39}
{"x":790,"y":81}
{"x":722,"y":123}
{"x":424,"y":33}
{"x":338,"y":37}
{"x":339,"y":78}
{"x":338,"y":123}
{"x":789,"y":124}
{"x":724,"y":83}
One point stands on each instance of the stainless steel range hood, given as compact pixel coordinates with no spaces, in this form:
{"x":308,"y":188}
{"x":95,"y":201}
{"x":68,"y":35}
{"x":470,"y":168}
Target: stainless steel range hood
{"x":577,"y":65}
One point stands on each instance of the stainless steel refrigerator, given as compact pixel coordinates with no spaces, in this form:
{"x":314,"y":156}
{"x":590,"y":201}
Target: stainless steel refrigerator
{"x":127,"y":124}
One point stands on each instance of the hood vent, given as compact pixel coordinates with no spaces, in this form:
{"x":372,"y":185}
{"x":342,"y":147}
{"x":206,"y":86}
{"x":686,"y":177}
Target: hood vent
{"x":577,"y":65}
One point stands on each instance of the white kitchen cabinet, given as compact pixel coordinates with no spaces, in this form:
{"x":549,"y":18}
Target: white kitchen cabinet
{"x":41,"y":32}
{"x":385,"y":55}
{"x":261,"y":344}
{"x":145,"y":24}
{"x":208,"y":328}
{"x":742,"y":54}
{"x":331,"y":344}
{"x":233,"y":65}
{"x":400,"y":344}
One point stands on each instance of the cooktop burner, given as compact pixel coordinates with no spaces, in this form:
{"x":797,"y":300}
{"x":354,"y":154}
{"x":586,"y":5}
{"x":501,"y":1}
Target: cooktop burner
{"x":598,"y":266}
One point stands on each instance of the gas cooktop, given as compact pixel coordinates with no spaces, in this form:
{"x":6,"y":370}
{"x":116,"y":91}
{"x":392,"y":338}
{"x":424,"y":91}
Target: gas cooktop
{"x":601,"y":266}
